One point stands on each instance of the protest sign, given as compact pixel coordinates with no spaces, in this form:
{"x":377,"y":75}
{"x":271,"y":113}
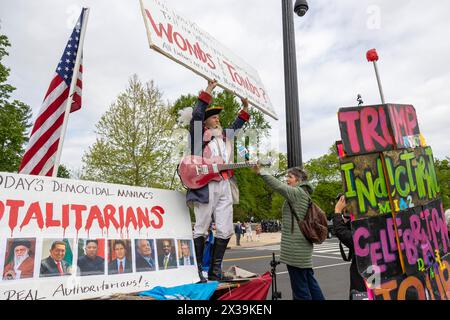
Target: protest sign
{"x":181,"y":40}
{"x":379,"y":128}
{"x":70,"y":239}
{"x":423,"y":238}
{"x":408,"y":174}
{"x":399,"y":230}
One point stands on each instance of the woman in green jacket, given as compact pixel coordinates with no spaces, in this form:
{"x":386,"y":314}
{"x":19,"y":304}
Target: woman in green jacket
{"x":296,"y":250}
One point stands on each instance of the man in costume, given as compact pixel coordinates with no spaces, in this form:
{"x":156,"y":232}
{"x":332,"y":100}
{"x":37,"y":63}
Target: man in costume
{"x":215,"y":199}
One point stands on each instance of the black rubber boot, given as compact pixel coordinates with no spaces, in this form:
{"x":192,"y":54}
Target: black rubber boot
{"x":215,"y":269}
{"x":199,"y":244}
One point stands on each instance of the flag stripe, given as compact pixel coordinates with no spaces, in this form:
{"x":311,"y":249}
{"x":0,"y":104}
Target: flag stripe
{"x":48,"y":165}
{"x":53,"y":85}
{"x":49,"y":152}
{"x":42,"y":141}
{"x":49,"y":122}
{"x":51,"y":108}
{"x":49,"y":172}
{"x":41,"y":152}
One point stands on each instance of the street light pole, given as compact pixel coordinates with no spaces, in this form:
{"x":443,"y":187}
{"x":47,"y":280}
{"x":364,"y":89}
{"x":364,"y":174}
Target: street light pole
{"x":294,"y":147}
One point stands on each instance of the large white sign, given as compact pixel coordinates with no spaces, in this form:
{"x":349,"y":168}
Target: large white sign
{"x":70,"y":239}
{"x":184,"y":42}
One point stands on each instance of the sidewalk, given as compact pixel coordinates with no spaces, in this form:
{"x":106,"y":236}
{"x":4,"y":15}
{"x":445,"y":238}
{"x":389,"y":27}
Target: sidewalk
{"x":265,"y":239}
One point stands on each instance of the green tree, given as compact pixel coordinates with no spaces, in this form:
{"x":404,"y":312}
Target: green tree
{"x":134,"y":145}
{"x":14,"y":119}
{"x":443,"y":175}
{"x":63,"y":172}
{"x":256,"y":198}
{"x":324,"y":174}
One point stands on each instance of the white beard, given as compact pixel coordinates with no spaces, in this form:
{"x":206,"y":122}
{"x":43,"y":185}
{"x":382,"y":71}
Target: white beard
{"x":18,"y":261}
{"x":216,"y":132}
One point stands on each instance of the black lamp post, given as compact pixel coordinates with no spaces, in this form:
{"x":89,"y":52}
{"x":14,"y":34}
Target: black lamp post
{"x":294,"y":146}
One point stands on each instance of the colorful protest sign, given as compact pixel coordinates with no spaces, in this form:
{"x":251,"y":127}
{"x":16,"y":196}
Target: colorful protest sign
{"x":423,"y":236}
{"x":411,"y":177}
{"x":400,"y":234}
{"x":375,"y":247}
{"x":69,"y":239}
{"x":181,"y":40}
{"x":434,"y":284}
{"x":379,"y":128}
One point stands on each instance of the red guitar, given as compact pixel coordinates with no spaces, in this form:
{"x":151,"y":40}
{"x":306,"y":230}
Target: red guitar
{"x":196,"y":172}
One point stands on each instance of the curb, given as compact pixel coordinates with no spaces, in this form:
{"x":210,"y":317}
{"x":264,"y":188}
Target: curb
{"x":257,"y":246}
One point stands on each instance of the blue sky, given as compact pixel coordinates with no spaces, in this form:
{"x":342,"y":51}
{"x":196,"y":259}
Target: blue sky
{"x":331,"y":39}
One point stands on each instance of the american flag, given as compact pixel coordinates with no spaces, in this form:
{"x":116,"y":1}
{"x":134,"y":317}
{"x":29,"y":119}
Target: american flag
{"x":40,"y":155}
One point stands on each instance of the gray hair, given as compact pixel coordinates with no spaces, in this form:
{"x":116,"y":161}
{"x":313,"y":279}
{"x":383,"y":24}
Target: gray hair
{"x":299,"y":173}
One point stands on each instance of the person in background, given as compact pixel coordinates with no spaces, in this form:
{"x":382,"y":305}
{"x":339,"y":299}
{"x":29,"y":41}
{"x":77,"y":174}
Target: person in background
{"x":258,"y":231}
{"x":249,"y":231}
{"x":238,"y":232}
{"x":342,"y":229}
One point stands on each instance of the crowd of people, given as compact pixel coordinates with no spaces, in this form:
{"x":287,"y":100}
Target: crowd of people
{"x":271,"y":225}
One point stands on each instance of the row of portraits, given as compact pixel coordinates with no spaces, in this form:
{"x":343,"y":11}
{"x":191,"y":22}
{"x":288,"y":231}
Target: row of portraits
{"x":92,"y":257}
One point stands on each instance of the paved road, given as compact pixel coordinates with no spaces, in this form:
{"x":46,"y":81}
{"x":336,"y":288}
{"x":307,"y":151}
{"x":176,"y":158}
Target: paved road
{"x":329,"y":268}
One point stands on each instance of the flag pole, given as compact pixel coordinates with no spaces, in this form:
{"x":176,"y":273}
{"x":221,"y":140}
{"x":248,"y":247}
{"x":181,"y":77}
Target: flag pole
{"x":379,"y":82}
{"x":71,"y":91}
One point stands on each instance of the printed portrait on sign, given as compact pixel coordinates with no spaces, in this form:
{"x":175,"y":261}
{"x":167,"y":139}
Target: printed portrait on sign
{"x":91,"y":257}
{"x":19,"y":258}
{"x":167,"y":257}
{"x":145,"y":255}
{"x":57,"y":257}
{"x":119,"y":255}
{"x":186,"y":253}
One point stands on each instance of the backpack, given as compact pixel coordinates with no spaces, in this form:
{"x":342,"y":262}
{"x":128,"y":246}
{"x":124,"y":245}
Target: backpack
{"x":314,"y":226}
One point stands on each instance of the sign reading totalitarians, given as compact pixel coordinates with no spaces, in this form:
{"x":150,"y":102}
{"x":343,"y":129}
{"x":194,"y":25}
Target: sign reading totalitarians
{"x":70,"y":239}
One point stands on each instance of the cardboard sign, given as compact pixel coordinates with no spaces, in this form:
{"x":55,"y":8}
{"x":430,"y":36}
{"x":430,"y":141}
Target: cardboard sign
{"x":399,"y":232}
{"x":379,"y":128}
{"x":410,"y":173}
{"x":376,"y":247}
{"x":423,"y":238}
{"x":69,"y":239}
{"x":181,"y":40}
{"x":429,"y":285}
